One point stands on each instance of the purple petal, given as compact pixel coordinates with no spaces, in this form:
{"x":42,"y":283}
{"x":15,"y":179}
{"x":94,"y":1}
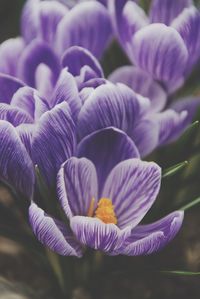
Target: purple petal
{"x":116,"y":12}
{"x":50,"y":15}
{"x":164,"y":11}
{"x":173,"y":85}
{"x":77,"y":186}
{"x":133,"y":186}
{"x":14,"y":115}
{"x":188,"y":25}
{"x":25,"y":132}
{"x":53,"y":233}
{"x":127,"y":18}
{"x":106,"y":148}
{"x":150,"y":238}
{"x":91,"y":83}
{"x":44,"y":80}
{"x":109,"y":105}
{"x":146,"y":135}
{"x":40,"y":19}
{"x":95,"y":234}
{"x":66,"y":90}
{"x":15,"y":164}
{"x":160,"y":51}
{"x":8,"y":57}
{"x":141,"y":83}
{"x":28,"y":99}
{"x":36,"y":53}
{"x":53,"y":141}
{"x":86,"y":25}
{"x":189,"y":104}
{"x":171,"y":125}
{"x":29,"y":20}
{"x":8,"y":86}
{"x":77,"y":57}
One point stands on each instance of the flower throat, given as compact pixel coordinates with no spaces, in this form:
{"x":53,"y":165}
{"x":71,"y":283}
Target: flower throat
{"x":105,"y":211}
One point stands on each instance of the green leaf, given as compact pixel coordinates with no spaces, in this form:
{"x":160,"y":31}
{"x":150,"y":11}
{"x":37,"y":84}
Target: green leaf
{"x":174,"y":169}
{"x":54,"y":261}
{"x":191,"y":204}
{"x":189,"y":133}
{"x":180,"y":273}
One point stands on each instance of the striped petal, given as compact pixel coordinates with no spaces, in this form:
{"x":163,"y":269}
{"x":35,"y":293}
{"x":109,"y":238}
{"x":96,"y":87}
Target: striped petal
{"x":53,"y":233}
{"x":160,"y":51}
{"x":133,"y":186}
{"x":77,"y":186}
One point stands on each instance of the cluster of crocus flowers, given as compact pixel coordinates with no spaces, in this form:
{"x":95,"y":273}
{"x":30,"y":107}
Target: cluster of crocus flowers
{"x":87,"y":134}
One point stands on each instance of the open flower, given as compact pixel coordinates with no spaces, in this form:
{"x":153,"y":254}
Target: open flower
{"x":105,"y":215}
{"x":167,"y":44}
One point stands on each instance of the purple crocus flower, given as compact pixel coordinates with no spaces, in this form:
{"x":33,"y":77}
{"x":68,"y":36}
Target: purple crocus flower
{"x":172,"y":118}
{"x":88,"y":106}
{"x":106,"y":216}
{"x":49,"y":29}
{"x":166,"y":44}
{"x":110,"y":155}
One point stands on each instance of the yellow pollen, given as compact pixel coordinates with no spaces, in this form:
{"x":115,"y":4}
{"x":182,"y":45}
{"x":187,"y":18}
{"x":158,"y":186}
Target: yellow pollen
{"x":105,"y":211}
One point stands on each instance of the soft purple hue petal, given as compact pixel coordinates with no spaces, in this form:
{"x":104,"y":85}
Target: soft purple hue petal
{"x":116,"y":9}
{"x":160,"y":51}
{"x":77,"y":57}
{"x":189,"y":104}
{"x":44,"y":80}
{"x":127,"y":17}
{"x":40,"y":19}
{"x":10,"y":51}
{"x":8,"y":86}
{"x":171,"y":125}
{"x":14,"y":115}
{"x":133,"y":19}
{"x":29,"y":100}
{"x":188,"y":25}
{"x":93,"y":83}
{"x":76,"y":186}
{"x":54,"y":141}
{"x":142,"y":83}
{"x":86,"y":25}
{"x":146,"y":135}
{"x":25,"y":132}
{"x":53,"y":233}
{"x":133,"y":186}
{"x":150,"y":238}
{"x":66,"y":91}
{"x":50,"y":14}
{"x":15,"y":164}
{"x":29,"y":20}
{"x":172,"y":85}
{"x":164,"y":11}
{"x":106,"y":148}
{"x":109,"y":105}
{"x":94,"y":233}
{"x":36,"y":53}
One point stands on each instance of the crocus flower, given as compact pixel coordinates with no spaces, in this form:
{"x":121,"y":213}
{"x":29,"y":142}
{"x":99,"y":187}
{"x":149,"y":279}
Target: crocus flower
{"x":173,"y":116}
{"x":140,"y":117}
{"x":49,"y":28}
{"x":166,"y":44}
{"x":104,"y":212}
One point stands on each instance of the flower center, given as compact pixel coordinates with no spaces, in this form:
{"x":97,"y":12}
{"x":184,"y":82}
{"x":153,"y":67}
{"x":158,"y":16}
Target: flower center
{"x":105,"y":211}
